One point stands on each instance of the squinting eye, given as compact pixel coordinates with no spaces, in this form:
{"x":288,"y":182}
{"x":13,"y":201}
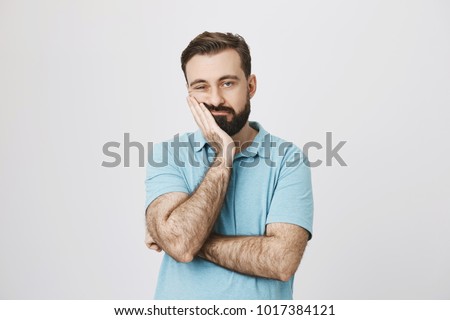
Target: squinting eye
{"x":199,"y":88}
{"x":227,"y":84}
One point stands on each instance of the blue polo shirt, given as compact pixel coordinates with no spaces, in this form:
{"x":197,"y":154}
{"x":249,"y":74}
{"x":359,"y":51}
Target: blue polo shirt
{"x":270,"y":182}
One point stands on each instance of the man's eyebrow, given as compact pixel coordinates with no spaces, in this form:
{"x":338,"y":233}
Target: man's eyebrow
{"x":196,"y":81}
{"x":230,"y":77}
{"x":226,"y":77}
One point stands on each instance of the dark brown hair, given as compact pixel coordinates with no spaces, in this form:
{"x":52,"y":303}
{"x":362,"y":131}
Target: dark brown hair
{"x":215,"y":42}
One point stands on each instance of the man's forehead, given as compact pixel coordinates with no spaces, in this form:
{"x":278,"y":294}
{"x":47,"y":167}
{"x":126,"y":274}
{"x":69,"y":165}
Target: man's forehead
{"x":214,"y":66}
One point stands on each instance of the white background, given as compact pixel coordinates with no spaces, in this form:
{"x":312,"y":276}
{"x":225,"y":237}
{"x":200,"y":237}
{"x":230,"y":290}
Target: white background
{"x":77,"y":74}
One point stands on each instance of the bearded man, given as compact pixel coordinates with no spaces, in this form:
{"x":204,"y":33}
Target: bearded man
{"x":232,"y":208}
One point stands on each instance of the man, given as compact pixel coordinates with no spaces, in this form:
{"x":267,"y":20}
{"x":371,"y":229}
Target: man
{"x":231,"y":206}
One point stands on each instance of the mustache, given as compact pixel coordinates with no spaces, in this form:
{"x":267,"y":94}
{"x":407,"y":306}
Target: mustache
{"x":219,"y":108}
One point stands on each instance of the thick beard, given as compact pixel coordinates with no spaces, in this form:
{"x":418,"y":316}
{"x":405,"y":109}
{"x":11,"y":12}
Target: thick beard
{"x":237,"y":121}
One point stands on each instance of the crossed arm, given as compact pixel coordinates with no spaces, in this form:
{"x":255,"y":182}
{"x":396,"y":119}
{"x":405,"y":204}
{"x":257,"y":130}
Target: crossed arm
{"x":275,"y":255}
{"x":181,"y":224}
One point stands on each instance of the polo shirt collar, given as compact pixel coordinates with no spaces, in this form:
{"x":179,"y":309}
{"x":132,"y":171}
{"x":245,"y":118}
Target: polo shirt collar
{"x":259,"y":139}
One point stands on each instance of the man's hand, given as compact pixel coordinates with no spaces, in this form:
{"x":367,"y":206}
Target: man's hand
{"x":150,"y":243}
{"x":219,"y":139}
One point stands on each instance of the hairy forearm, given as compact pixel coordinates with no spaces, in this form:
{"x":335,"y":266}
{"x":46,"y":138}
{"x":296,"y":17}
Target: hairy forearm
{"x":182,"y":230}
{"x":261,"y":256}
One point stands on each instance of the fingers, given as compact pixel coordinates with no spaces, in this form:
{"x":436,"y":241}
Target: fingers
{"x":194,"y":112}
{"x":155,"y":247}
{"x":150,"y":243}
{"x":209,"y":117}
{"x":198,"y":111}
{"x":218,"y":139}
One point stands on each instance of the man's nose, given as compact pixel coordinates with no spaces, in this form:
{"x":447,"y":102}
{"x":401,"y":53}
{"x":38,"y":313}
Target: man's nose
{"x":215,"y":97}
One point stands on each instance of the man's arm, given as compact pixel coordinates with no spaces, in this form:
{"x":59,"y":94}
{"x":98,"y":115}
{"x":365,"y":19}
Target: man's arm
{"x":180,"y":224}
{"x":275,"y":255}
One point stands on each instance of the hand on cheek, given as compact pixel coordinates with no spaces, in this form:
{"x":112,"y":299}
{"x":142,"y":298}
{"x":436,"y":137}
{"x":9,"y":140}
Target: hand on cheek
{"x":217,"y":138}
{"x":198,"y":96}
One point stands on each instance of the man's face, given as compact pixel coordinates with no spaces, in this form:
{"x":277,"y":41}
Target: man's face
{"x":219,"y":82}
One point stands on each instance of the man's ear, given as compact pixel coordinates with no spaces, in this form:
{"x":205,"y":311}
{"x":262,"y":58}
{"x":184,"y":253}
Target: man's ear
{"x":251,"y":85}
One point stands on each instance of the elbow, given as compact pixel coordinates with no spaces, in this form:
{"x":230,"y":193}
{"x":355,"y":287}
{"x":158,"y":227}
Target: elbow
{"x":182,"y":254}
{"x":178,"y":250}
{"x":285,"y":273}
{"x":289,"y":263}
{"x":183,"y":257}
{"x":178,"y":247}
{"x":284,"y":276}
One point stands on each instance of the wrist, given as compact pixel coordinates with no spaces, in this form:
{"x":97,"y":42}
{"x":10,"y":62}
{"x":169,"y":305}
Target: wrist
{"x":221,"y":162}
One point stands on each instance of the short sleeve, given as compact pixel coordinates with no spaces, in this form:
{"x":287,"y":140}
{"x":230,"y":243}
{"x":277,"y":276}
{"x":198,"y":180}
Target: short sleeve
{"x":163,"y":175}
{"x":292,"y":201}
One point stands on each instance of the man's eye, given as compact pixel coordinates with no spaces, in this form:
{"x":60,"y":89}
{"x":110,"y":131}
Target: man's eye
{"x":227,"y":84}
{"x":199,"y":88}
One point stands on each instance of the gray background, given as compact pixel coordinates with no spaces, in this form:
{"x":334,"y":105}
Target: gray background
{"x":77,"y":74}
